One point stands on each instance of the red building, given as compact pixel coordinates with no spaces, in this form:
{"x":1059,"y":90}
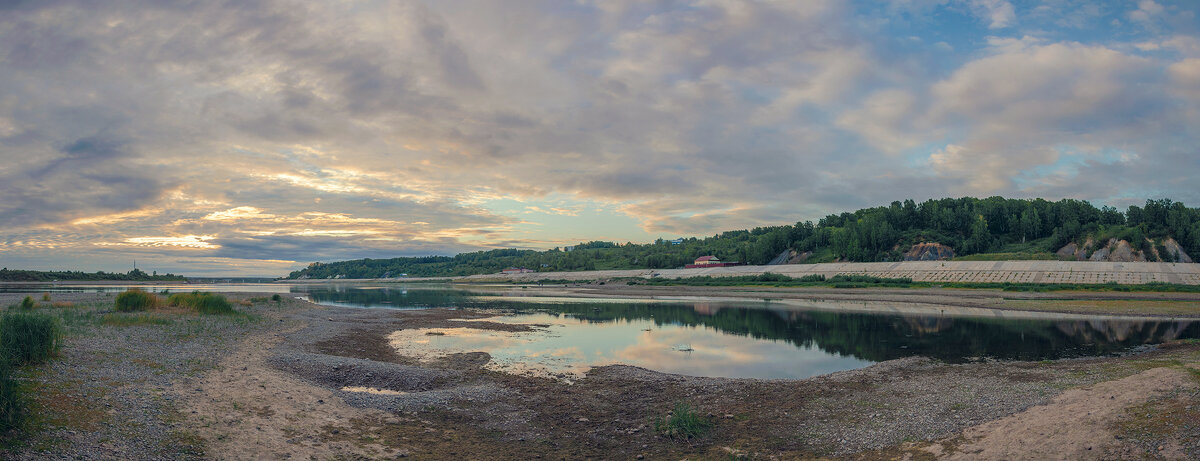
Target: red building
{"x":709,"y":261}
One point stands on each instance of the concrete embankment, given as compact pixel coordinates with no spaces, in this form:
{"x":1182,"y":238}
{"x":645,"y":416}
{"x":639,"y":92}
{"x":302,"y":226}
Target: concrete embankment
{"x":920,"y":271}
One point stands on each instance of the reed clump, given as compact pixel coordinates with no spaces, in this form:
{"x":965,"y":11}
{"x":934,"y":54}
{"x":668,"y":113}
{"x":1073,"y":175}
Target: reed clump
{"x":26,"y":338}
{"x":135,"y":300}
{"x":29,"y":338}
{"x":204,"y":303}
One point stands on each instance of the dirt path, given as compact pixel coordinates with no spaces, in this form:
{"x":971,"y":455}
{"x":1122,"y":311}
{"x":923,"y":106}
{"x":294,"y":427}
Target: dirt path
{"x":1075,"y":425}
{"x":247,"y":410}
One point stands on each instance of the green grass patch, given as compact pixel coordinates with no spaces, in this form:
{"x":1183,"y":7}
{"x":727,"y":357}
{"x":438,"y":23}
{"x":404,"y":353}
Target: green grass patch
{"x":204,"y":303}
{"x":866,"y":281}
{"x":780,"y":280}
{"x":1111,"y":286}
{"x":29,"y":338}
{"x":1016,"y":256}
{"x":135,"y":300}
{"x":26,"y":338}
{"x":13,"y":407}
{"x":128,"y":320}
{"x":682,"y":421}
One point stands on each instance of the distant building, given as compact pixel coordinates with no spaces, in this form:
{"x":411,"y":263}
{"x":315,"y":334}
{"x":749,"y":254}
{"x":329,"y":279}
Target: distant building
{"x":709,"y":261}
{"x":677,"y":242}
{"x":517,"y":270}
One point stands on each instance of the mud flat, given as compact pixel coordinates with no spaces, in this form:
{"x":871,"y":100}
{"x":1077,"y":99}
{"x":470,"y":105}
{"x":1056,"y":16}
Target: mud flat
{"x":289,"y":383}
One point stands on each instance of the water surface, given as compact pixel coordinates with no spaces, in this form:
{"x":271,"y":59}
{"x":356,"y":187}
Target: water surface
{"x":760,"y":339}
{"x":741,"y":338}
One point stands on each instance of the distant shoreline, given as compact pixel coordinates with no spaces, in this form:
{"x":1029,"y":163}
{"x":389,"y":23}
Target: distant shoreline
{"x":1034,"y":272}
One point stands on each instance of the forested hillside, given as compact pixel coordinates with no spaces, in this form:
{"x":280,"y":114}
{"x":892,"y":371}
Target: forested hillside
{"x":991,"y":228}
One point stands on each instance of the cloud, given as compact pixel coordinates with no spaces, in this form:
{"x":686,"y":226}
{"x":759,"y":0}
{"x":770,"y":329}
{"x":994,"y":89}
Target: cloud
{"x":1185,"y":78}
{"x":998,"y":13}
{"x":89,"y":174}
{"x":1018,"y":105}
{"x":296,"y":131}
{"x":1146,"y":11}
{"x":887,"y":119}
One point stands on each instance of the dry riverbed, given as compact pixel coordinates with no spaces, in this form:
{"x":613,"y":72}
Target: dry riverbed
{"x":299,"y":381}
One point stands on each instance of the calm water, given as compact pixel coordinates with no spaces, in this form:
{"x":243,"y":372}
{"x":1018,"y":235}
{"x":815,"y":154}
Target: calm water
{"x":734,"y":339}
{"x":170,"y":288}
{"x":739,"y":339}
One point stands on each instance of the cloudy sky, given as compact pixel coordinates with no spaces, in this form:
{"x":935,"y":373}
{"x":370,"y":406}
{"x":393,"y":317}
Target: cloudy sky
{"x":254,"y":137}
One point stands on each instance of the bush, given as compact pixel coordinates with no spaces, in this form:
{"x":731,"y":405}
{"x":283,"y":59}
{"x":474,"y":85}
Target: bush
{"x":46,"y":297}
{"x":841,"y":278}
{"x":772,"y":277}
{"x":811,"y":278}
{"x":275,"y":297}
{"x":683,"y":421}
{"x":135,"y":299}
{"x":204,"y":303}
{"x":29,"y":338}
{"x":27,"y":304}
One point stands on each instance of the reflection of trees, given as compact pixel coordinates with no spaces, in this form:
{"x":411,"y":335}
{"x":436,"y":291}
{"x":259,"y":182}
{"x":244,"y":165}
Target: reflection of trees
{"x":875,"y":337}
{"x":399,"y":297}
{"x":879,"y":337}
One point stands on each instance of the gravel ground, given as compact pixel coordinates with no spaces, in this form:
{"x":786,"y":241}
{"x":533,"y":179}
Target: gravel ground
{"x":107,"y":396}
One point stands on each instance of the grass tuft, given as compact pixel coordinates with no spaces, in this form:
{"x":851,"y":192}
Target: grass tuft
{"x":27,"y":304}
{"x":683,"y":421}
{"x":13,"y":407}
{"x":26,"y":338}
{"x":128,"y":320}
{"x":204,"y":303}
{"x":29,"y":338}
{"x":134,"y":300}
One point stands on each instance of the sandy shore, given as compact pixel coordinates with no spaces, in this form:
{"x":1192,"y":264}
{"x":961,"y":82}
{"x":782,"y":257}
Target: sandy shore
{"x":277,"y":387}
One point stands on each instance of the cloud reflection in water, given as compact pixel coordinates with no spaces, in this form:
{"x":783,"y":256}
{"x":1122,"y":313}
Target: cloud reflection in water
{"x":567,"y":347}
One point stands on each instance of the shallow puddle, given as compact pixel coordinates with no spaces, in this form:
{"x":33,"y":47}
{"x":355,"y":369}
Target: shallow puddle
{"x":372,"y":390}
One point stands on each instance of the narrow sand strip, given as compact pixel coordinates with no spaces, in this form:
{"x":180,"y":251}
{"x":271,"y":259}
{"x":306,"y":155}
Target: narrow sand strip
{"x":1075,"y":425}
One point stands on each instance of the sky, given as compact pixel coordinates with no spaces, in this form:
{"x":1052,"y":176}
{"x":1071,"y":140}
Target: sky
{"x":254,"y":137}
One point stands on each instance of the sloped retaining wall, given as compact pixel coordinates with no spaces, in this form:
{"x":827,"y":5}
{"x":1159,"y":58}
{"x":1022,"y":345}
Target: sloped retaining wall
{"x":921,"y":271}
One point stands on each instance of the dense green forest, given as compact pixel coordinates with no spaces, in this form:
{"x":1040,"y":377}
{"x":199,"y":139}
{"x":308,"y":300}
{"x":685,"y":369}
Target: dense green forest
{"x":994,"y":227}
{"x":136,"y":275}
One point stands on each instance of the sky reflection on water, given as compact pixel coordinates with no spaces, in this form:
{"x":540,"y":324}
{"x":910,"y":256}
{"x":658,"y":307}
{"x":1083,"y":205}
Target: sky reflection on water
{"x":571,"y":345}
{"x":756,"y":339}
